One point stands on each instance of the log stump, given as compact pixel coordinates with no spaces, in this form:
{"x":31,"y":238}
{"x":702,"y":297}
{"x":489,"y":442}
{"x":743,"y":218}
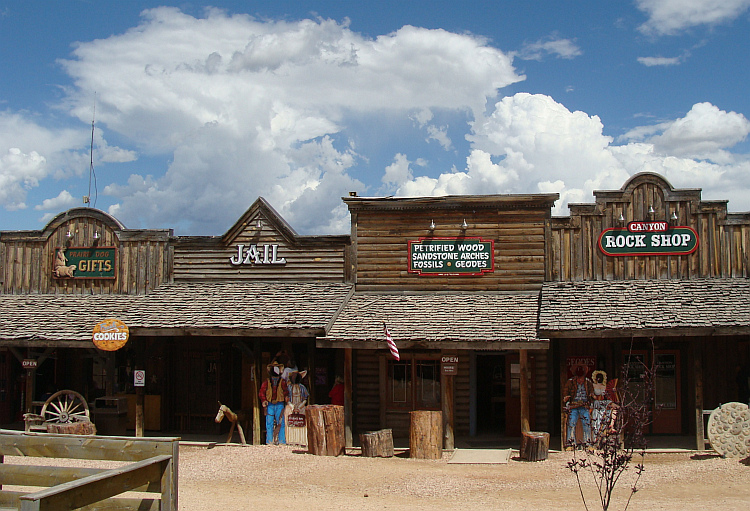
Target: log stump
{"x":377,"y":444}
{"x":325,"y":430}
{"x":426,"y":435}
{"x":72,"y":428}
{"x":534,"y":445}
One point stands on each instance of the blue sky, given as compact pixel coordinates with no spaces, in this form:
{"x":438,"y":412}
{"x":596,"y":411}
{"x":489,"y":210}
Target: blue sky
{"x":201,"y":108}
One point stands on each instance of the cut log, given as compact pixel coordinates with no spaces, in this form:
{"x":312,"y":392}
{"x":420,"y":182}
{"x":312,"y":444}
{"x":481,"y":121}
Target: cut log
{"x":534,"y":445}
{"x":325,"y":430}
{"x":72,"y":428}
{"x":426,"y":435}
{"x":377,"y":444}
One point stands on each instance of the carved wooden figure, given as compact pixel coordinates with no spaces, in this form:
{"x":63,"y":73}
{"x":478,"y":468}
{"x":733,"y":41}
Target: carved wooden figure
{"x":235,"y":419}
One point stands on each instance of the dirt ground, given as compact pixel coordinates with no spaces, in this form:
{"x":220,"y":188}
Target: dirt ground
{"x":231,"y":478}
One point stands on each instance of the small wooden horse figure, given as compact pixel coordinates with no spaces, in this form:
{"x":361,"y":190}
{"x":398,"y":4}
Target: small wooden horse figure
{"x":234,"y":418}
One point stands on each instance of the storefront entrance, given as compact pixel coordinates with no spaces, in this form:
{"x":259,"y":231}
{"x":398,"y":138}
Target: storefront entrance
{"x":201,"y":378}
{"x":667,"y":398}
{"x":498,"y":395}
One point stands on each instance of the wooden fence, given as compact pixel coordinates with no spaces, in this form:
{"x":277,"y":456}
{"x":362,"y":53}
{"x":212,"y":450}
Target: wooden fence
{"x":153,"y":469}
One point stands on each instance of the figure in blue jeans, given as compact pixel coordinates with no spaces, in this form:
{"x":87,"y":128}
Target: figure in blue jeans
{"x":274,"y":394}
{"x":577,"y":397}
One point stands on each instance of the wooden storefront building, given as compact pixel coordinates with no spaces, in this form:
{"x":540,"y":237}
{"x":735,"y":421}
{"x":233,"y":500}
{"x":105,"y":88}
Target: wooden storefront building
{"x":656,"y":273}
{"x":205,"y":314}
{"x":456,"y":281}
{"x":488,"y":299}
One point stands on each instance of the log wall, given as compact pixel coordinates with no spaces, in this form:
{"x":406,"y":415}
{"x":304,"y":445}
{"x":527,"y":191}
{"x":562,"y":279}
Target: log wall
{"x":308,"y":258}
{"x":382,"y":236}
{"x":723,"y":248}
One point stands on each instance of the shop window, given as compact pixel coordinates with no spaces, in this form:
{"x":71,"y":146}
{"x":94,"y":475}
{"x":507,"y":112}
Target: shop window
{"x":414,"y":384}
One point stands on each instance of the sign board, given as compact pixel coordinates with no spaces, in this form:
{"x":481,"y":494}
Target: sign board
{"x":296,"y":420}
{"x":29,"y":363}
{"x":589,"y":363}
{"x":85,"y":262}
{"x":267,"y":254}
{"x":451,"y":256}
{"x":648,"y":238}
{"x":449,"y":365}
{"x":139,"y":378}
{"x":110,"y":334}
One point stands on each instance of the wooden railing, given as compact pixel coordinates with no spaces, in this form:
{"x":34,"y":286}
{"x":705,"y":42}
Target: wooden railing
{"x":153,"y":469}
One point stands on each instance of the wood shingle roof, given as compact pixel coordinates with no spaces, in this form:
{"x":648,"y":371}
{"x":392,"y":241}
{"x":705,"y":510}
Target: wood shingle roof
{"x":438,"y":320}
{"x":236,"y":308}
{"x":645,"y":307}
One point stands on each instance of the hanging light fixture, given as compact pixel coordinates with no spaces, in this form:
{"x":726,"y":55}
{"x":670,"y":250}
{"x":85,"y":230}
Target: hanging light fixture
{"x":432,"y":225}
{"x":464,"y":225}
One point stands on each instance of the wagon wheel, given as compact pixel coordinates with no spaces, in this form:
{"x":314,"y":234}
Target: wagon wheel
{"x":65,"y":406}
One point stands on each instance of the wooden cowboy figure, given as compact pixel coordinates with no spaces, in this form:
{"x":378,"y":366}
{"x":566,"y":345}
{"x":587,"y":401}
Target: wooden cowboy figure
{"x":274,"y":394}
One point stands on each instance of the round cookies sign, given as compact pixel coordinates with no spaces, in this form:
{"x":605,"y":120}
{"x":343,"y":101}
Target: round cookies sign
{"x":110,"y":334}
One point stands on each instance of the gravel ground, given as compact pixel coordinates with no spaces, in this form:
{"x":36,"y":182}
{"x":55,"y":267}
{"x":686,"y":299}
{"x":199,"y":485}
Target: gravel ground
{"x":231,"y":478}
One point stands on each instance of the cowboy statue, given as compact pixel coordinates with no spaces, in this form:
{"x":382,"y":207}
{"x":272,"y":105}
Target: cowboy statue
{"x":274,"y":394}
{"x":577,"y":397}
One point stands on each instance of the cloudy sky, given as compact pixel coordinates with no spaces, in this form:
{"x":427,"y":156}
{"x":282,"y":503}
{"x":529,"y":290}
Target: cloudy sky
{"x":198,"y":109}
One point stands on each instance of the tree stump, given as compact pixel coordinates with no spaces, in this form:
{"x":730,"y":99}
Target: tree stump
{"x":377,"y":444}
{"x":325,"y":430}
{"x":426,"y":435}
{"x":72,"y":428}
{"x":534,"y":445}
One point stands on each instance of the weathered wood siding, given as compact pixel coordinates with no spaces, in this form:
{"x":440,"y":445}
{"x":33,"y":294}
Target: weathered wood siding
{"x":143,"y":258}
{"x":382,"y":238}
{"x":723,"y":248}
{"x":369,"y":395}
{"x":366,"y":395}
{"x":541,"y":388}
{"x":308,"y":258}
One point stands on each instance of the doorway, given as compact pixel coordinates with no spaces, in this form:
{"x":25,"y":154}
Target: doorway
{"x":491,"y":395}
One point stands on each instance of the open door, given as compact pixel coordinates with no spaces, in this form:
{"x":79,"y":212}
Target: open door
{"x":667,"y":402}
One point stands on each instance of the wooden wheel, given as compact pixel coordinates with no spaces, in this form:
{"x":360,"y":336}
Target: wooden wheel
{"x":65,"y":406}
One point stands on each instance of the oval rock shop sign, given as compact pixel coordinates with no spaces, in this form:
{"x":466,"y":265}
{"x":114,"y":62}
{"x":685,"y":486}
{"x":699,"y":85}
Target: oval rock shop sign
{"x":648,"y":238}
{"x":110,"y":334}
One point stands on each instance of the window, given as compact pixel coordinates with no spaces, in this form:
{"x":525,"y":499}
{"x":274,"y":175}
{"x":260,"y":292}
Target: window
{"x":414,"y":384}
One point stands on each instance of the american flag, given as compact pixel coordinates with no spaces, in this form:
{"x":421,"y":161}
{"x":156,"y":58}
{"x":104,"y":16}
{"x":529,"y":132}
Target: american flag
{"x":391,"y":344}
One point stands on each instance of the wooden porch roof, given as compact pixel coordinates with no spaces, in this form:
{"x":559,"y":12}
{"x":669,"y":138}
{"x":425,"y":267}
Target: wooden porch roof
{"x":303,"y":309}
{"x":438,"y":321}
{"x":645,"y":308}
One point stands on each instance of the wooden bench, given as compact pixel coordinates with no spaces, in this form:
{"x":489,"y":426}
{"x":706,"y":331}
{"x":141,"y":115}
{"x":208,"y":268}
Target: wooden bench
{"x":153,"y":469}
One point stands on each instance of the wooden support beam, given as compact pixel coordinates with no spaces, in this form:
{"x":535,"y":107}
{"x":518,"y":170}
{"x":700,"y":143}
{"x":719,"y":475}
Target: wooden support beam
{"x":348,"y":384}
{"x":700,"y":434}
{"x":255,"y":388}
{"x":524,"y":368}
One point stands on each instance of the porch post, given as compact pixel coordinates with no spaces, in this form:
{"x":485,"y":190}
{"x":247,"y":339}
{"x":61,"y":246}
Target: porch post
{"x":523,"y":358}
{"x":348,"y":396}
{"x":698,"y":371}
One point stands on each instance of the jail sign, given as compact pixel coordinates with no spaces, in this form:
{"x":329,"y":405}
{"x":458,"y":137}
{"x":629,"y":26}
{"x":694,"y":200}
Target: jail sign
{"x":648,"y":238}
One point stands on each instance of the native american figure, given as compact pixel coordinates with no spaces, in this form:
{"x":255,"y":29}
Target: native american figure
{"x":61,"y":268}
{"x":294,"y":415}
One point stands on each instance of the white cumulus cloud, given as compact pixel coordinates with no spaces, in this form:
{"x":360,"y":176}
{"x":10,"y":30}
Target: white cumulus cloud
{"x":531,"y":143}
{"x":249,"y":108}
{"x":668,"y":17}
